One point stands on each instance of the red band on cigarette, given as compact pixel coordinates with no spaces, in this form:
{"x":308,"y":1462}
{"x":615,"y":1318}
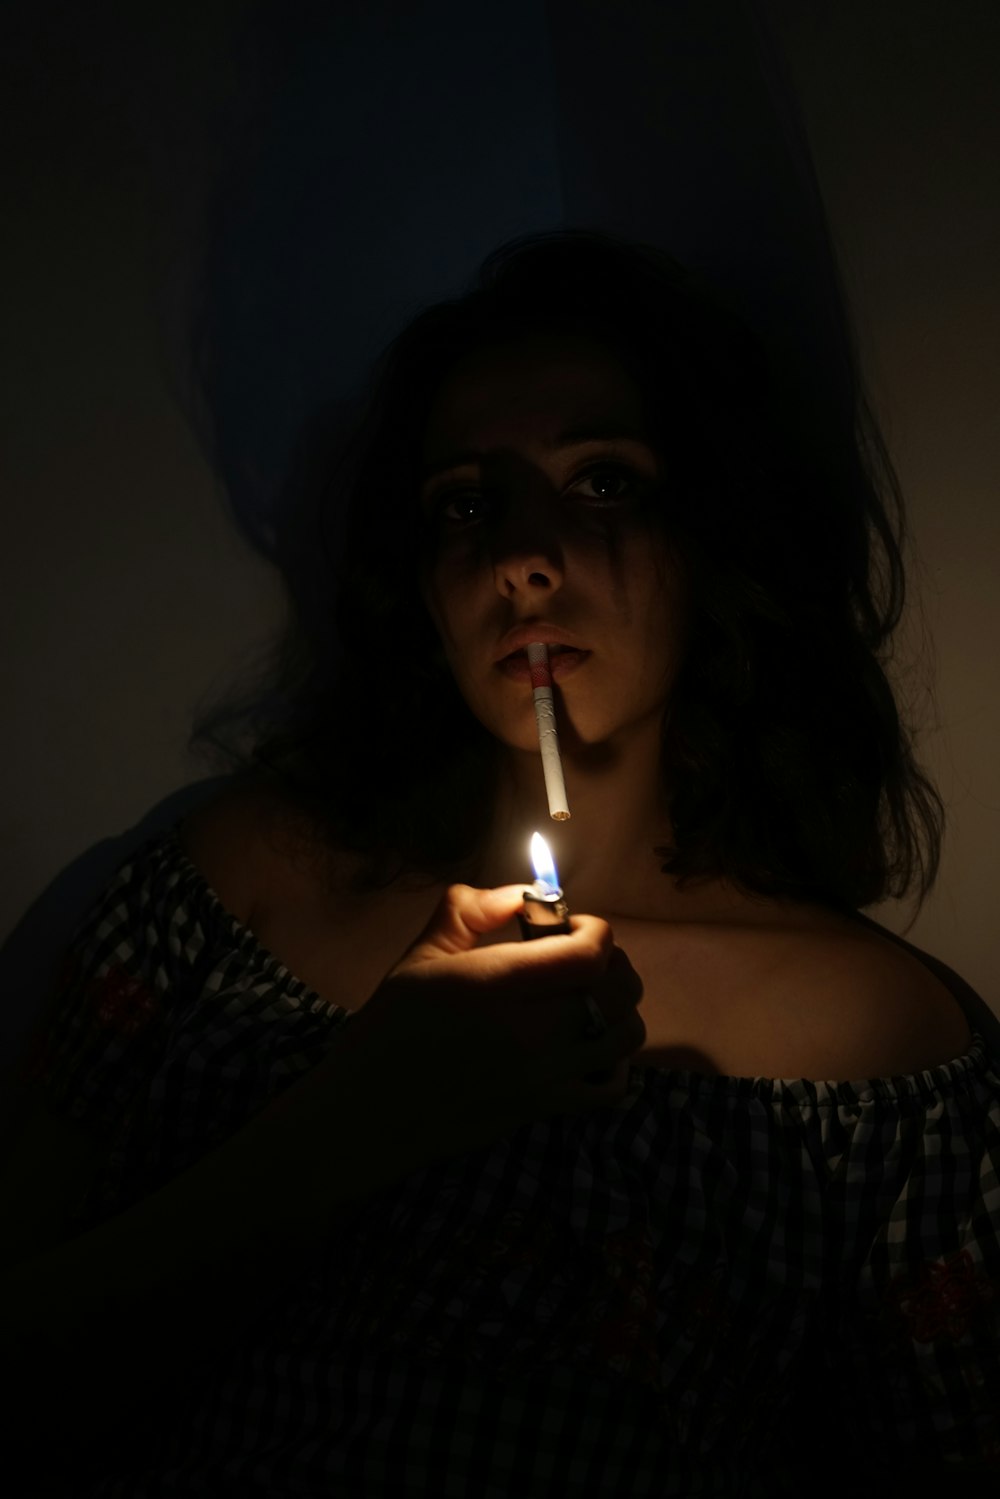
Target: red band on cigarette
{"x":538,"y":661}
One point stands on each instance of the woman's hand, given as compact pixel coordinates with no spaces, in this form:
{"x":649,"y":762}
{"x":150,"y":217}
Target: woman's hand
{"x":486,"y":1038}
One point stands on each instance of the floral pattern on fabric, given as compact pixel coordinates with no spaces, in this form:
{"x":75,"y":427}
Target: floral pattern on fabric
{"x":942,"y":1298}
{"x":121,"y":1001}
{"x":945,"y":1304}
{"x":117,"y":1000}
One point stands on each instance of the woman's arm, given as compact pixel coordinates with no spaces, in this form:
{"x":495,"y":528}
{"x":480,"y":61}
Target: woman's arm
{"x":93,"y":1329}
{"x":458,"y":1046}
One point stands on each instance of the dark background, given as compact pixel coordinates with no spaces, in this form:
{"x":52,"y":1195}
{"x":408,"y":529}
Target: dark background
{"x":387,"y":148}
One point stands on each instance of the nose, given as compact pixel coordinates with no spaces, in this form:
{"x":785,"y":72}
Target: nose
{"x":527,"y":554}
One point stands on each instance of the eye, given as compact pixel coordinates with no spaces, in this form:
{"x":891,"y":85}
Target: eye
{"x":601,"y":474}
{"x":452,"y":508}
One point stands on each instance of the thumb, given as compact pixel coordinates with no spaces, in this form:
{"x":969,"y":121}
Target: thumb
{"x":462,"y":915}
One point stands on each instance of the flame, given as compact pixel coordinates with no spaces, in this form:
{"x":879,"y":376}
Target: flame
{"x":543,"y":863}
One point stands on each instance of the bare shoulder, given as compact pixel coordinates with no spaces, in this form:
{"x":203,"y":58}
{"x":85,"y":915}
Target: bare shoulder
{"x":868,"y":1008}
{"x":250,"y":841}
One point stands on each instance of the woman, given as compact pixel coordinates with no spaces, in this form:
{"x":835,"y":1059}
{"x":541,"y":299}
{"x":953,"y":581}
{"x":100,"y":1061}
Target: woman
{"x":365,"y":1207}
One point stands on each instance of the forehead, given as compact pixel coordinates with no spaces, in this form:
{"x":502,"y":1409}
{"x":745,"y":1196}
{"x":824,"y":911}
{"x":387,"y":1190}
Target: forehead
{"x":530,"y":384}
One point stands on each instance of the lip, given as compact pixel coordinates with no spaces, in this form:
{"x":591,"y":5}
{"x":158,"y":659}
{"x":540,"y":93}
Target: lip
{"x":522,"y":636}
{"x":561,"y":665}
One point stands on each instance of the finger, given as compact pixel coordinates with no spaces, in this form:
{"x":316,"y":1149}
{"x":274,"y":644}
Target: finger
{"x":465,"y":913}
{"x":620,"y":974}
{"x":462,"y":915}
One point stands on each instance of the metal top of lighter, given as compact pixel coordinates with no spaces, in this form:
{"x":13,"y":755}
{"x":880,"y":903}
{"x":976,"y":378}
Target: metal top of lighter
{"x":545,"y":913}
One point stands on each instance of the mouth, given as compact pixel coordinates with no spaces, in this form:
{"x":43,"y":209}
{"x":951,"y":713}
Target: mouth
{"x":563,"y":661}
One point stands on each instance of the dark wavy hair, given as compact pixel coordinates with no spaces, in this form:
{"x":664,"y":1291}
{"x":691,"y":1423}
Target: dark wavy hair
{"x":788,"y":767}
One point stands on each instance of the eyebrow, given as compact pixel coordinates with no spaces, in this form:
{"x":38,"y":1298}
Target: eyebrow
{"x":602,"y":431}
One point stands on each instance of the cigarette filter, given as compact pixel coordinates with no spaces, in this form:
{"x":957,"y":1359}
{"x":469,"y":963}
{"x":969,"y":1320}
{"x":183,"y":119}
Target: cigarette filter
{"x":548,"y":738}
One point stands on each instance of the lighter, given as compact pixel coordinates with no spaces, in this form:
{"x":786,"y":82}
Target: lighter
{"x":546,"y":914}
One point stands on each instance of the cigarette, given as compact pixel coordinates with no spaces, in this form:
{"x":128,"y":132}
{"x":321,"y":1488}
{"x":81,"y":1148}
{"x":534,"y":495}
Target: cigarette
{"x":548,"y":739}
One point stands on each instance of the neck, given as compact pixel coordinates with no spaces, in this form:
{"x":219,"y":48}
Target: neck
{"x":604,"y":852}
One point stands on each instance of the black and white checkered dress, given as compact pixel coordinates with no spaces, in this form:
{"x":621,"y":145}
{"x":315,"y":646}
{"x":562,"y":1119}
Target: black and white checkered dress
{"x":625,"y":1303}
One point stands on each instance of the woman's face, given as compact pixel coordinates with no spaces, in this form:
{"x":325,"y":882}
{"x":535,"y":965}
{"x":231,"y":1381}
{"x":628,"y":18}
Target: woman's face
{"x":525,"y":525}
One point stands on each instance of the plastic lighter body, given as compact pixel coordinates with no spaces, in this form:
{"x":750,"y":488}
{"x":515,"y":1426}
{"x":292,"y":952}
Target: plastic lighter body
{"x":546,"y":914}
